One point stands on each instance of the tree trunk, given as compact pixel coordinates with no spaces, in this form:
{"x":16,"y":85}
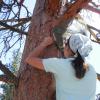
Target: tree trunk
{"x":35,"y":84}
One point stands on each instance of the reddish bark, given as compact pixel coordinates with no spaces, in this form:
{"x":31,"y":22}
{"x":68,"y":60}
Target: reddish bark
{"x":21,"y":2}
{"x":91,"y":8}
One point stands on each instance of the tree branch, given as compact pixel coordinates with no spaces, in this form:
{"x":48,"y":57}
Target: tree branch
{"x":20,"y":22}
{"x":1,"y":1}
{"x":16,"y":25}
{"x":94,"y":4}
{"x":17,"y":20}
{"x":94,"y":28}
{"x":74,"y":9}
{"x":51,"y":7}
{"x":70,"y":13}
{"x":81,"y":21}
{"x":91,"y":8}
{"x":5,"y":78}
{"x":92,"y":33}
{"x":8,"y":73}
{"x":12,"y":28}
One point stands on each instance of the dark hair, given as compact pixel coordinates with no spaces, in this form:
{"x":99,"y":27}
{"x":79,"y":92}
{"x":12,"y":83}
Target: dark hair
{"x":98,"y":96}
{"x":78,"y":65}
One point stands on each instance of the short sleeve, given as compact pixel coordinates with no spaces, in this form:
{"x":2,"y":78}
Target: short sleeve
{"x":51,"y":64}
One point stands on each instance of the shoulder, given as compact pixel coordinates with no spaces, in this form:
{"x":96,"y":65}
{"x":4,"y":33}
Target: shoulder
{"x":54,"y":60}
{"x":55,"y":64}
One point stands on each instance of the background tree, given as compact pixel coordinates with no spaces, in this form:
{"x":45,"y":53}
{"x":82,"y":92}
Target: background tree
{"x":7,"y":91}
{"x":8,"y":88}
{"x":31,"y":83}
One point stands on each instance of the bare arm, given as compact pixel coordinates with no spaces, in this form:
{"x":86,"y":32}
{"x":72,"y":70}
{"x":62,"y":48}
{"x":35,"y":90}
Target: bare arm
{"x":33,"y":58}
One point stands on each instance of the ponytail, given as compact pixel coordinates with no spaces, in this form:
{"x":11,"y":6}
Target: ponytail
{"x":78,"y":65}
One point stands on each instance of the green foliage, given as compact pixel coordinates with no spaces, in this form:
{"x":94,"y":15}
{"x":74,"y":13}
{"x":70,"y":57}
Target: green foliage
{"x":8,"y":88}
{"x":15,"y":64}
{"x":7,"y":91}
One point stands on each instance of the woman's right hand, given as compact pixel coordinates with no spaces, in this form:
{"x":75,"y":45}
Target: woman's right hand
{"x":47,"y":41}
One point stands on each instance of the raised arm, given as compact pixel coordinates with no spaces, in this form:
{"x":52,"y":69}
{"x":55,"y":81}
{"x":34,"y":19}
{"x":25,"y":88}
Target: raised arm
{"x":33,"y":58}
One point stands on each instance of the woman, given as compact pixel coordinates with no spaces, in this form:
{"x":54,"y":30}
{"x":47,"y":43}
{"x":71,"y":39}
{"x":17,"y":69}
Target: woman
{"x":75,"y":78}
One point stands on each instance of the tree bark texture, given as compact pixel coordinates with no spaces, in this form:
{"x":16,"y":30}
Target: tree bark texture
{"x":35,"y":84}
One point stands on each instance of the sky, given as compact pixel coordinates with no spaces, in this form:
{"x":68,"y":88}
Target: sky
{"x":95,"y":54}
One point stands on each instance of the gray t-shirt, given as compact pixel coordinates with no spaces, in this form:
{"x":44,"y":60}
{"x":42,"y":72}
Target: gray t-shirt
{"x":68,"y":87}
